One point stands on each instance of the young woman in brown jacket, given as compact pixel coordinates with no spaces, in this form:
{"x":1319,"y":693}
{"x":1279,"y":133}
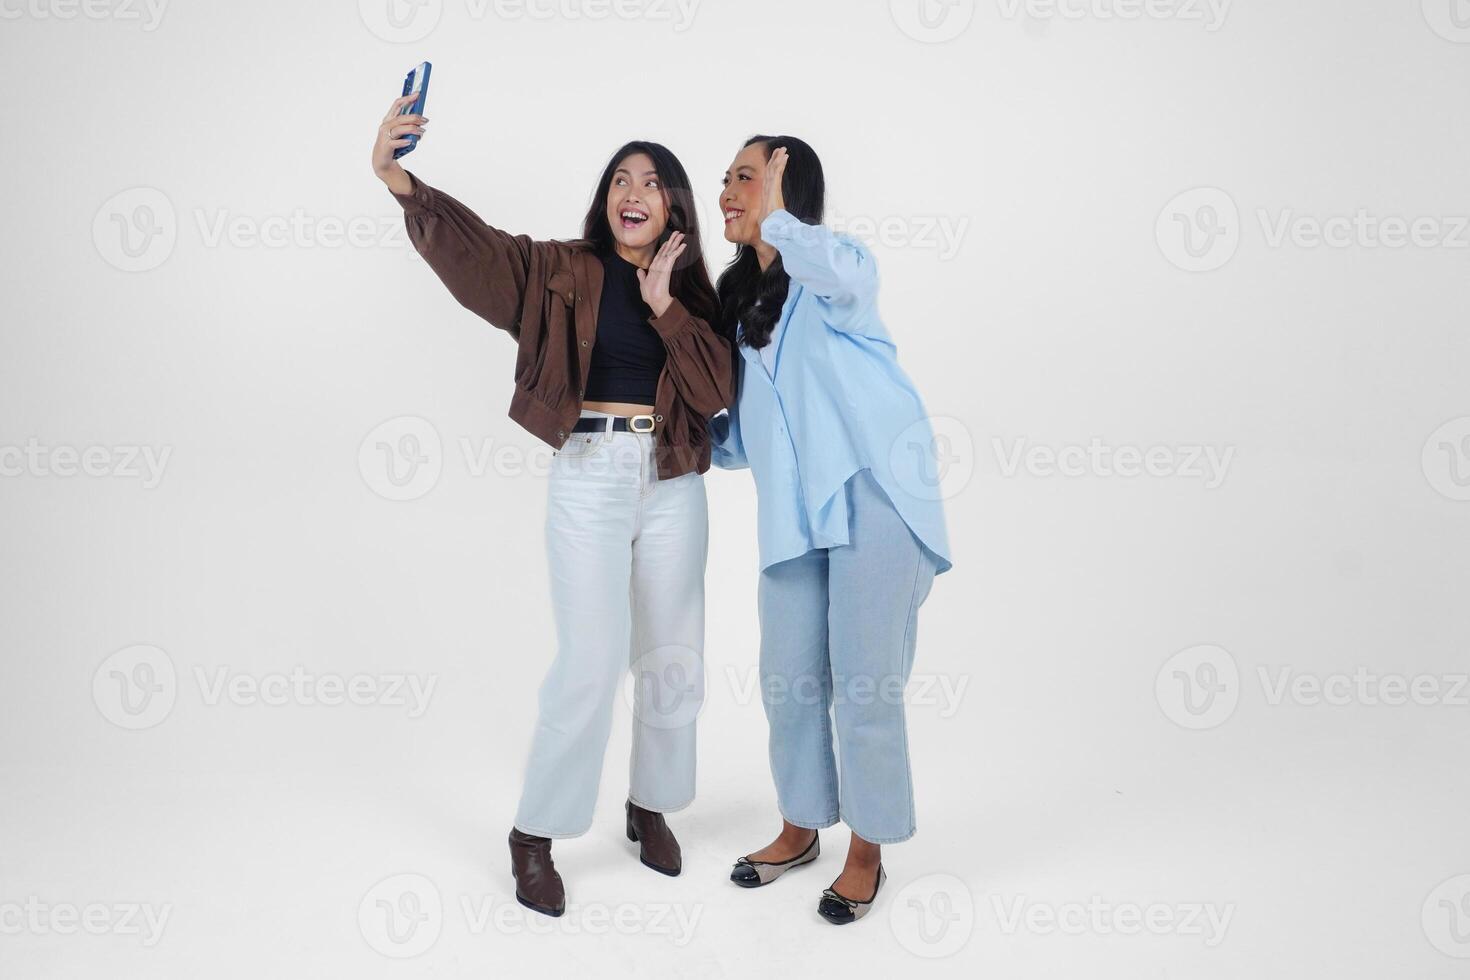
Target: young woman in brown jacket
{"x":619,"y":369}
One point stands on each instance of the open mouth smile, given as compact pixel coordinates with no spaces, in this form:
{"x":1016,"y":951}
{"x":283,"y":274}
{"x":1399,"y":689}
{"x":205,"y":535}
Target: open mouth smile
{"x":733,"y":214}
{"x":632,"y":217}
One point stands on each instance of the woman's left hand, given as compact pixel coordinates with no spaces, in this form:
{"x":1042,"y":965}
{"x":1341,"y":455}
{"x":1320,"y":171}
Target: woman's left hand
{"x":653,"y":283}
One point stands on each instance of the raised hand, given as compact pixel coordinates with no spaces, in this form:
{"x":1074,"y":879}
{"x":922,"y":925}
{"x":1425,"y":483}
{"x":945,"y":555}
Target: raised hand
{"x":772,"y":199}
{"x":653,"y":283}
{"x":390,"y":137}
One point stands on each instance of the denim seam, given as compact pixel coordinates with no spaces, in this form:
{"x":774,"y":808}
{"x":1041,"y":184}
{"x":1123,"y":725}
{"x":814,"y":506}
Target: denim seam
{"x":833,"y":784}
{"x":878,"y":840}
{"x":632,"y":650}
{"x":903,"y":705}
{"x":534,"y":832}
{"x":807,"y":825}
{"x":660,"y":809}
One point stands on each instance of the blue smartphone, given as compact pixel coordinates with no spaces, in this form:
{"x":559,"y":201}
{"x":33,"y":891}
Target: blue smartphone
{"x":416,"y":83}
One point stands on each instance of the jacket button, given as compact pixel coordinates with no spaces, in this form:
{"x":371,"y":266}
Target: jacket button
{"x":584,"y":343}
{"x":560,"y":434}
{"x":658,"y":418}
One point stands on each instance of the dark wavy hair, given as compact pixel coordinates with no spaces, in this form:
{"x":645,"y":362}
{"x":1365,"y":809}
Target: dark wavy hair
{"x":749,"y":297}
{"x":690,"y":284}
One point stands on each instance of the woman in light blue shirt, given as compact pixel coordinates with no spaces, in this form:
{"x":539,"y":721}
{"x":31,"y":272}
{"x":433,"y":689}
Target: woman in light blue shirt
{"x":851,"y":527}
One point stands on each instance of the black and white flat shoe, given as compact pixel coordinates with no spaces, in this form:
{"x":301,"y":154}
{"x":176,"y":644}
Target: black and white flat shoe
{"x":840,"y":910}
{"x":753,"y":874}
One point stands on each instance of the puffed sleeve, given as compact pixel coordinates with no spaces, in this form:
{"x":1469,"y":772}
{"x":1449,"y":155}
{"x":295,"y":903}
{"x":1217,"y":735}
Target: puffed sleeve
{"x":699,"y":360}
{"x":484,"y":267}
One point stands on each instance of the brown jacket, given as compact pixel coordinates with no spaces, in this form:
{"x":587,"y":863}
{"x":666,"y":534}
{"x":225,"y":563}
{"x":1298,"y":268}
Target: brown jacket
{"x":546,"y":294}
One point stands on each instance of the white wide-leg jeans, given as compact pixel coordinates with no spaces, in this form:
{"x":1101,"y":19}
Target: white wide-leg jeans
{"x":627,"y":556}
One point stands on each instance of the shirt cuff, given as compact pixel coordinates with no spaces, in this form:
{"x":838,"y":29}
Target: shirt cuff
{"x":416,"y":201}
{"x":778,"y":226}
{"x":676,"y":320}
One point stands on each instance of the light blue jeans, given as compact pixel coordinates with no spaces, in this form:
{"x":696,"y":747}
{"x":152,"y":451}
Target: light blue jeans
{"x":837,"y":644}
{"x":627,"y":553}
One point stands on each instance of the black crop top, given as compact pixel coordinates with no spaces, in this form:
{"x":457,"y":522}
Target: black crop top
{"x":629,"y":355}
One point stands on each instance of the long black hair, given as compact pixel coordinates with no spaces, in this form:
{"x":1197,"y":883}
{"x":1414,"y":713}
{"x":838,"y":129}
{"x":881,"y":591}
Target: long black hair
{"x":753,"y":297}
{"x":690,"y":283}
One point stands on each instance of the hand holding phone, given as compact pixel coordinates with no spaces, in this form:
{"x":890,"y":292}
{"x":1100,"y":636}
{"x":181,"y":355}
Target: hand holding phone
{"x":398,"y":132}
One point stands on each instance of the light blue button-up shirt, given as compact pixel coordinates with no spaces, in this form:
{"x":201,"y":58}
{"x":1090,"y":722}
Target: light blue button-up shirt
{"x":835,"y":403}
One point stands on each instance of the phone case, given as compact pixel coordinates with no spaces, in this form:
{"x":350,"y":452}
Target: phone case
{"x":416,"y":107}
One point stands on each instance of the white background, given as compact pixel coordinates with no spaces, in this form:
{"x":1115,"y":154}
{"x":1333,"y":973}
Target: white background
{"x":1070,"y":763}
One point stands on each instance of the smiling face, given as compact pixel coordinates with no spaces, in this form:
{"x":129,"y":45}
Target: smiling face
{"x":636,"y":209}
{"x":742,"y":197}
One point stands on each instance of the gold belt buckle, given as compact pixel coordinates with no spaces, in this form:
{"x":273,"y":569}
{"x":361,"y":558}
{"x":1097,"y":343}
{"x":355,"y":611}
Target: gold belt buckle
{"x":635,"y":419}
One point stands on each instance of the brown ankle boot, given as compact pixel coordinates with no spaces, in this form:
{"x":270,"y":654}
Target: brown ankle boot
{"x":538,"y":886}
{"x":657,"y":847}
